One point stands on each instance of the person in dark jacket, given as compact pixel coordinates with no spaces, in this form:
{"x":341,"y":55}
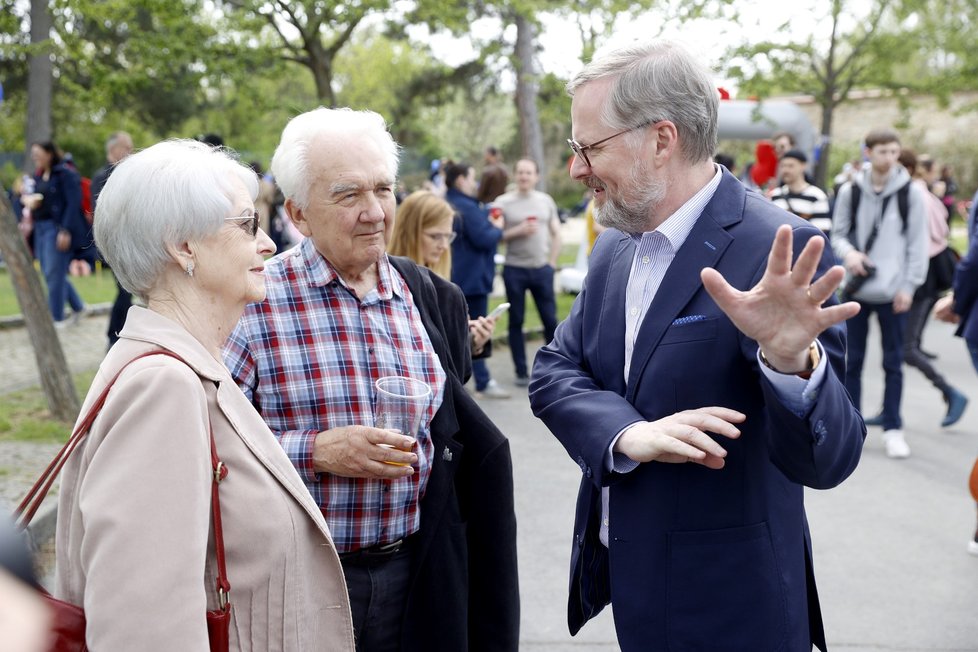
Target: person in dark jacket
{"x":117,"y":147}
{"x":961,"y":307}
{"x":426,"y":515}
{"x":59,"y":226}
{"x":478,"y":231}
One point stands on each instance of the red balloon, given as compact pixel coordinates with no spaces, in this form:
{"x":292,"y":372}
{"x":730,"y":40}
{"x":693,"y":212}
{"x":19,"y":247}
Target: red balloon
{"x":765,"y":163}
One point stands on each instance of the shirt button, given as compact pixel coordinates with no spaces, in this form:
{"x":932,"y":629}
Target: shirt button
{"x":606,"y":522}
{"x":645,"y":260}
{"x":634,"y":311}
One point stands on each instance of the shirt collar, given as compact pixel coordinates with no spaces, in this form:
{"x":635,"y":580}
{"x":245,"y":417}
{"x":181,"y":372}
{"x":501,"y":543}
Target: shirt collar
{"x":321,"y":272}
{"x":677,"y":227}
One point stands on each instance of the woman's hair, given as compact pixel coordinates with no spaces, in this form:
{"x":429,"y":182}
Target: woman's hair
{"x":908,"y":159}
{"x":290,"y":164}
{"x":421,"y":210}
{"x":52,"y":149}
{"x":172,"y":192}
{"x":455,"y":170}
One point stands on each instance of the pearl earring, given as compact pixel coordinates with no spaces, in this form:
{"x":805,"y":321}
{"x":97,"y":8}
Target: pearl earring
{"x":190,"y":269}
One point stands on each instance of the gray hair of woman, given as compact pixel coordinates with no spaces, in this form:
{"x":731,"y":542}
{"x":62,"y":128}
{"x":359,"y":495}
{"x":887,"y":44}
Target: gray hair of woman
{"x":290,"y":164}
{"x":173,"y":192}
{"x":656,"y":81}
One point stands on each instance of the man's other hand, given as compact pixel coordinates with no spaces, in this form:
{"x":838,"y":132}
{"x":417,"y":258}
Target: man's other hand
{"x":681,"y":437}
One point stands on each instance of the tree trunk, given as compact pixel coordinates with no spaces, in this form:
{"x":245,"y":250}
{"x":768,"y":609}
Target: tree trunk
{"x":527,"y":90}
{"x":55,"y":375}
{"x":40,"y":79}
{"x":822,"y":167}
{"x":321,"y":65}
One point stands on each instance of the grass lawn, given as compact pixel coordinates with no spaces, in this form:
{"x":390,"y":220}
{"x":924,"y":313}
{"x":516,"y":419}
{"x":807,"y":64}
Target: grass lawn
{"x":531,"y":319}
{"x":24,"y":414}
{"x":97,"y":288}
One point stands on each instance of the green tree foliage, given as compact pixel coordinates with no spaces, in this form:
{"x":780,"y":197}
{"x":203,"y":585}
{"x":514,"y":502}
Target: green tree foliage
{"x":310,"y":33}
{"x":891,"y":44}
{"x":146,"y":55}
{"x":398,"y":79}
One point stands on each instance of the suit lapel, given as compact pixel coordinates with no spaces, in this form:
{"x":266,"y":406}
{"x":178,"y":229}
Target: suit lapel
{"x":703,"y":247}
{"x":612,"y":320}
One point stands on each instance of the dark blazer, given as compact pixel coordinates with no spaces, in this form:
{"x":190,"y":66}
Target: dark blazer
{"x":698,"y":559}
{"x":966,"y":290}
{"x":474,"y":250}
{"x":64,"y":202}
{"x":464,"y":593}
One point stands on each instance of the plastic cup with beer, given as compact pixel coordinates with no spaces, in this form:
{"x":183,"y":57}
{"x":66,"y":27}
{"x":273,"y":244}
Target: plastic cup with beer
{"x":399,"y":404}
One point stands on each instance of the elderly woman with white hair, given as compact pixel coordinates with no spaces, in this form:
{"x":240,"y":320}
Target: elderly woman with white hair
{"x":135,"y":543}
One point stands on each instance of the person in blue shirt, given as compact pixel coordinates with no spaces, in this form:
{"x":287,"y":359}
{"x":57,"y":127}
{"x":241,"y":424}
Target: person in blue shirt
{"x":478,"y":231}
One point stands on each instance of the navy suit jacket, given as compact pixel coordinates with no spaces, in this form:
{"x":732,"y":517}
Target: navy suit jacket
{"x":966,"y":285}
{"x":698,"y":559}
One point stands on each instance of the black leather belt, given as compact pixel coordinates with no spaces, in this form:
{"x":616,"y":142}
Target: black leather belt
{"x":375,"y":554}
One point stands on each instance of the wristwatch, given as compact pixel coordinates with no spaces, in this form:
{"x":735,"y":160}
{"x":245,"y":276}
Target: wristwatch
{"x":813,"y":360}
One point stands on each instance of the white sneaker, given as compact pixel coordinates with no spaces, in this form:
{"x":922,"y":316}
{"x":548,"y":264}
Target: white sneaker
{"x":492,"y":390}
{"x":973,"y":548}
{"x":76,"y":317}
{"x":896,"y":445}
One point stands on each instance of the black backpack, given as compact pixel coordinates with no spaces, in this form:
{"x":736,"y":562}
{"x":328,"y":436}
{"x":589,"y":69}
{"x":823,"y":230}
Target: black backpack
{"x":903,"y":204}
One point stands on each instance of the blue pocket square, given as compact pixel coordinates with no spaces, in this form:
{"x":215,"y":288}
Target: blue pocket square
{"x":688,"y":319}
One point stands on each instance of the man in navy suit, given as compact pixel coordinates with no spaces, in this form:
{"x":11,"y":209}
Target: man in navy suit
{"x":698,"y":379}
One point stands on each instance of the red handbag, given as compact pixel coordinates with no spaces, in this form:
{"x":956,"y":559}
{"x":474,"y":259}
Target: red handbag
{"x":68,"y":620}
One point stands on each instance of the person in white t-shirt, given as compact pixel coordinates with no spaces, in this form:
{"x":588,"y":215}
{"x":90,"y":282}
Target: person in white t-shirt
{"x":532,"y":236}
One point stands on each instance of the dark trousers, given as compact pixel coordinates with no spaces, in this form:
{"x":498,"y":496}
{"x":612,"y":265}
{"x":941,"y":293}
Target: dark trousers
{"x":117,"y":319}
{"x":540,"y":282}
{"x":378,"y":594}
{"x":478,"y":307}
{"x":892,"y":327}
{"x":917,"y":318}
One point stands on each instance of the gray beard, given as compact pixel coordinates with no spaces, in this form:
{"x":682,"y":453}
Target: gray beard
{"x":635,"y":218}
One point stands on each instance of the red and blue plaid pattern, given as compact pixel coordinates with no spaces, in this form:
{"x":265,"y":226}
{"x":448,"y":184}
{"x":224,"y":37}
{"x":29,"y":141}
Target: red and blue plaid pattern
{"x":307,"y":357}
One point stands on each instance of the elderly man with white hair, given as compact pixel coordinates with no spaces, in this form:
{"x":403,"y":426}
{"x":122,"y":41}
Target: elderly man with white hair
{"x":423,"y":520}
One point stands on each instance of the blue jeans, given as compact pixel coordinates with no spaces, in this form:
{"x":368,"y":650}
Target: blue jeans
{"x":540,"y":282}
{"x":478,"y":306}
{"x":892,"y":327}
{"x":54,"y":266}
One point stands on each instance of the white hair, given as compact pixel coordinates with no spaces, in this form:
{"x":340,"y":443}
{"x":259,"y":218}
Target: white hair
{"x":655,"y":81}
{"x":172,"y":192}
{"x":290,"y":164}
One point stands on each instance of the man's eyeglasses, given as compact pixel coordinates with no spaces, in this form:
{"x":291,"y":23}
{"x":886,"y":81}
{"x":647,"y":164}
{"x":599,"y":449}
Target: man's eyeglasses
{"x":447,"y":238}
{"x":247,"y":222}
{"x":581,"y":150}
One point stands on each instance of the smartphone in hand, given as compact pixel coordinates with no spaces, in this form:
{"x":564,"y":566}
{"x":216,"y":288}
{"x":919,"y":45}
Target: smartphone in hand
{"x":499,"y":310}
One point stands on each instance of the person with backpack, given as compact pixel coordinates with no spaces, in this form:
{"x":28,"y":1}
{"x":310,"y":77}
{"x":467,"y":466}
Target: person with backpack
{"x":879,"y":232}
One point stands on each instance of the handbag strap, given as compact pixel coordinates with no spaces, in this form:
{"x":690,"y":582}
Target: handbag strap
{"x":29,"y":506}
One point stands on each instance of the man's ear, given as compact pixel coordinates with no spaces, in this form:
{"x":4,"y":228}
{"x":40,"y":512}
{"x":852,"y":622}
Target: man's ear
{"x":665,"y":139}
{"x":298,"y":217}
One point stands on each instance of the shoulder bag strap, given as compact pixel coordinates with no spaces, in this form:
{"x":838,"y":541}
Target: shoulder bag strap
{"x":32,"y":501}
